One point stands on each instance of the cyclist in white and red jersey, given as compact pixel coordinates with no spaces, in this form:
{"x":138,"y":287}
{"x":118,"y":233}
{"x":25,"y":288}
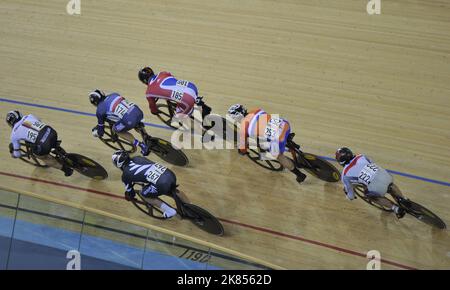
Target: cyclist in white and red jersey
{"x":359,"y":169}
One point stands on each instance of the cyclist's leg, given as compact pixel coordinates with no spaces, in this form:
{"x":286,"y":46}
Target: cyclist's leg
{"x":131,"y":120}
{"x":46,"y":141}
{"x":164,"y":186}
{"x":382,"y":201}
{"x":395,"y":191}
{"x":286,"y":162}
{"x":280,"y":147}
{"x":378,"y":187}
{"x":150,"y":193}
{"x":183,"y":112}
{"x":182,"y":196}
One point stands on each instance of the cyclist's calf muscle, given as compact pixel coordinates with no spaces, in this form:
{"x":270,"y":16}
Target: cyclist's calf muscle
{"x":286,"y":162}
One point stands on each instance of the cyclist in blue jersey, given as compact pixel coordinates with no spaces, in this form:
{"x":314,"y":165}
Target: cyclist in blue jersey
{"x":124,"y":114}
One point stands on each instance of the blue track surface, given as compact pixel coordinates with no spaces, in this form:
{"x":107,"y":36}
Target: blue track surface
{"x":43,"y":247}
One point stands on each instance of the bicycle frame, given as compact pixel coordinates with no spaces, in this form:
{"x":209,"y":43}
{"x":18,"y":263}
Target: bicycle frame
{"x":178,"y":203}
{"x":297,"y":153}
{"x":370,"y":199}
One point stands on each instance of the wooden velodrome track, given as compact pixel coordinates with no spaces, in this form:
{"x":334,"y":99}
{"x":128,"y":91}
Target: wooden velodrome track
{"x":379,"y":84}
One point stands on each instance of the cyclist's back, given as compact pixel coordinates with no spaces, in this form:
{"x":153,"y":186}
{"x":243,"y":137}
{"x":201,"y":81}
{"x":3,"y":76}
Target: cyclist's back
{"x":362,"y":170}
{"x":259,"y":125}
{"x":114,"y":108}
{"x":32,"y":130}
{"x":158,"y":179}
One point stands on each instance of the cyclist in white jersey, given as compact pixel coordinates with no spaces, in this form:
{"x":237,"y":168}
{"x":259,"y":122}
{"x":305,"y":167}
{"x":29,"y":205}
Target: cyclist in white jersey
{"x":39,"y":135}
{"x":360,"y":169}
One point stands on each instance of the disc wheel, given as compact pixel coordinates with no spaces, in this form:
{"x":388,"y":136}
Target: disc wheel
{"x":86,"y":166}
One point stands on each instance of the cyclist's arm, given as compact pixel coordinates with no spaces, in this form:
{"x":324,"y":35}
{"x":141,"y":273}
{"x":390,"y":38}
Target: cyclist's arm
{"x":152,"y":103}
{"x":101,"y":116}
{"x":16,"y":149}
{"x":348,"y":180}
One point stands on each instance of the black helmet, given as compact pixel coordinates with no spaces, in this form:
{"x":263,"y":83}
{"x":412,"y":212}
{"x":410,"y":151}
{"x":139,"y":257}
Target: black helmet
{"x":145,"y":74}
{"x":96,"y":97}
{"x":13,"y":117}
{"x":344,"y":156}
{"x":120,"y":158}
{"x":237,"y":112}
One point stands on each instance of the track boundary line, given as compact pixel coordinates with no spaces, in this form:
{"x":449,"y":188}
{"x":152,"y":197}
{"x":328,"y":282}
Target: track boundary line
{"x":412,"y":176}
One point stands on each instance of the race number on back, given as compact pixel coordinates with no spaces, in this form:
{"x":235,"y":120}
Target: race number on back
{"x":123,"y":108}
{"x":33,"y":129}
{"x":35,"y":125}
{"x":154,"y":173}
{"x":273,"y":128}
{"x":367,"y":173}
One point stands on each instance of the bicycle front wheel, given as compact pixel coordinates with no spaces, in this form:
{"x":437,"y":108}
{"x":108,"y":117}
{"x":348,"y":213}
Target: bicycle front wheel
{"x":422,"y":214}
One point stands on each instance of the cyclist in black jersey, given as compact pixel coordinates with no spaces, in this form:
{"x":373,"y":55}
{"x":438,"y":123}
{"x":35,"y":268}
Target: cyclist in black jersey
{"x":157,"y":179}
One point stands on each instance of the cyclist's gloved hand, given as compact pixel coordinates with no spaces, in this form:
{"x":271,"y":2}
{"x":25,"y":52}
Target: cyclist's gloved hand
{"x":95,"y":132}
{"x":129,"y":195}
{"x":16,"y":154}
{"x":348,"y":196}
{"x":98,"y":131}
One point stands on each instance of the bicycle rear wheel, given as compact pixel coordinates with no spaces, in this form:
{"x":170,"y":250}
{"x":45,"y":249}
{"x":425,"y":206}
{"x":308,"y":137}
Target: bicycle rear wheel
{"x":114,"y":141}
{"x":270,"y":164}
{"x":164,"y":150}
{"x":29,"y":157}
{"x":320,"y":168}
{"x":422,"y":213}
{"x":146,"y":207}
{"x":203,"y":219}
{"x":86,"y":166}
{"x":166,"y":112}
{"x":360,"y":192}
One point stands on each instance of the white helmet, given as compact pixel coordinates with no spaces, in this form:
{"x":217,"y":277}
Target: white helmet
{"x":237,"y":112}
